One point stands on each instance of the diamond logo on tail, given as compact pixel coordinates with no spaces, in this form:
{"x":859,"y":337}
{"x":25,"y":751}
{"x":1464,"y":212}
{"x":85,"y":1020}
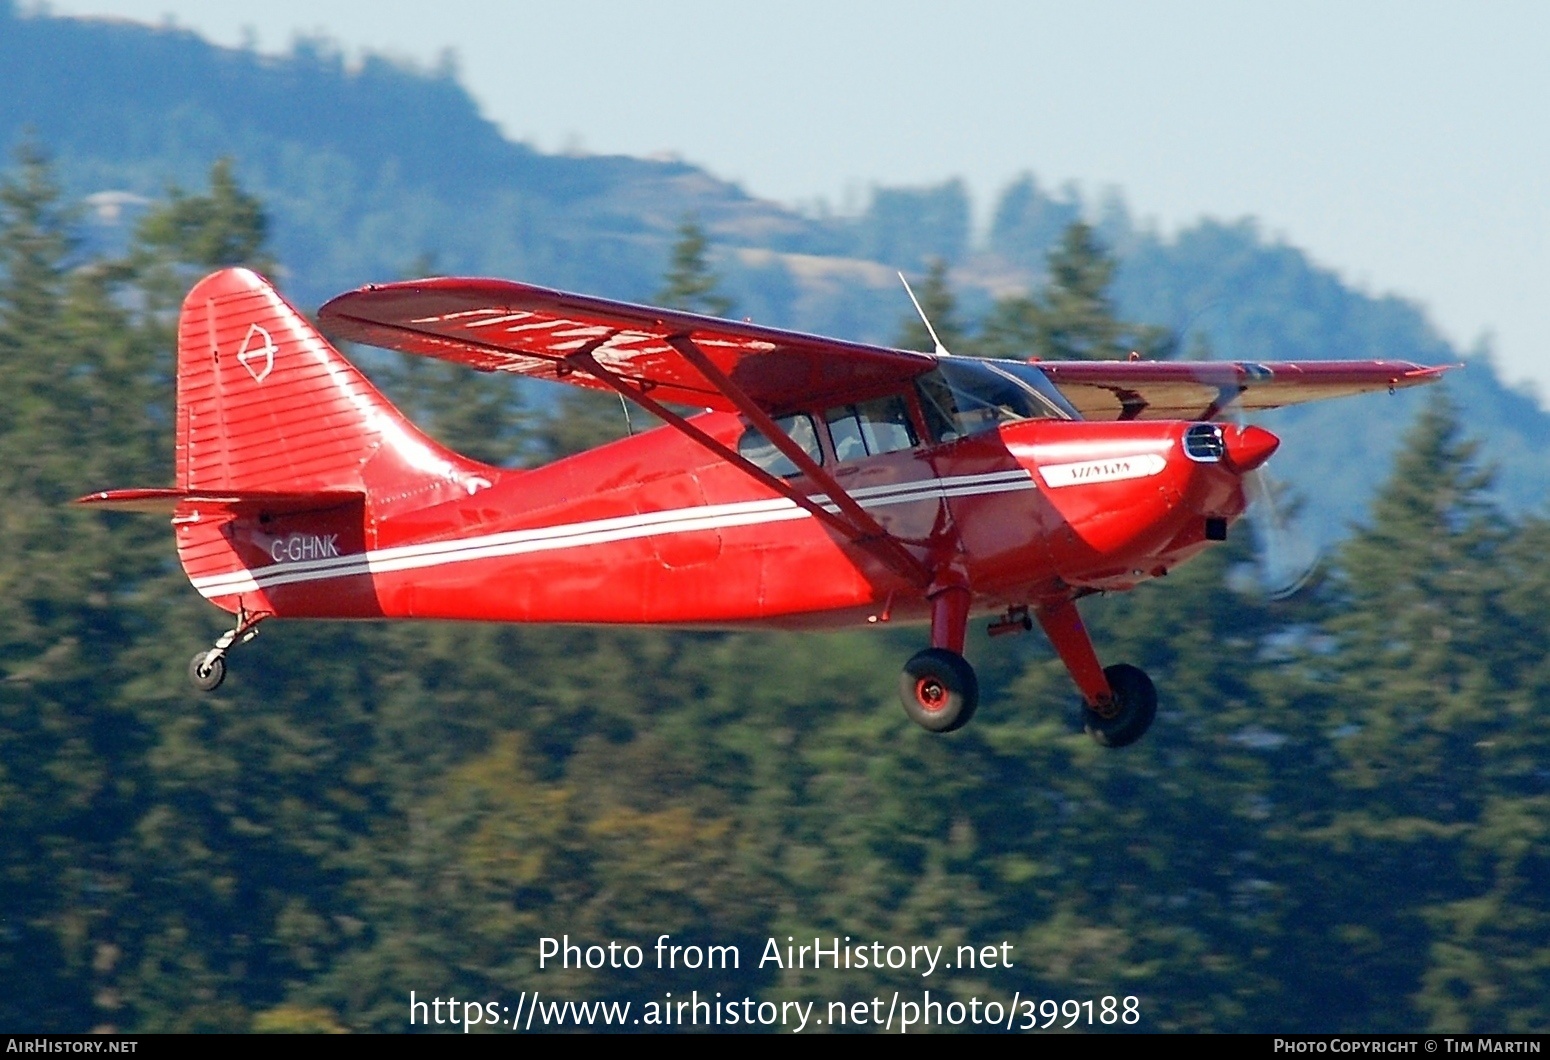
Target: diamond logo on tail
{"x":257,"y":359}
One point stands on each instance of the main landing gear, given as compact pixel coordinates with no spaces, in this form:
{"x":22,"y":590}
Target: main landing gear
{"x":207,"y":669}
{"x":1118,"y":703}
{"x":938,"y":688}
{"x":940,"y":692}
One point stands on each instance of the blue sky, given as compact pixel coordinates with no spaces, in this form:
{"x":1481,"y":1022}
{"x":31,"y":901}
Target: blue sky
{"x":1405,"y":145}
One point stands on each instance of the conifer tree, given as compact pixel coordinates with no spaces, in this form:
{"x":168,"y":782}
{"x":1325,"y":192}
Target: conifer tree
{"x":34,"y":248}
{"x":76,"y":382}
{"x":1072,"y":317}
{"x":690,"y":284}
{"x":224,"y":227}
{"x":1079,"y":318}
{"x":1418,"y":578}
{"x":35,"y":724}
{"x":1413,"y":699}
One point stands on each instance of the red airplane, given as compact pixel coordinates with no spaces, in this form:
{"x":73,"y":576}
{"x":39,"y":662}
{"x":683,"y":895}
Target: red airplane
{"x":824,"y":484}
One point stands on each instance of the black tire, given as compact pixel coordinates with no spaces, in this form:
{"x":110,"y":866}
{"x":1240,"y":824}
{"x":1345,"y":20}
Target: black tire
{"x":939,"y":690}
{"x":1137,"y":700}
{"x":205,"y":673}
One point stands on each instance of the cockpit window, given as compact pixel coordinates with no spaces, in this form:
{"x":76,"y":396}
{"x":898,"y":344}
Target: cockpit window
{"x":1032,"y":376}
{"x":871,"y":427}
{"x":964,"y":397}
{"x":762,"y":452}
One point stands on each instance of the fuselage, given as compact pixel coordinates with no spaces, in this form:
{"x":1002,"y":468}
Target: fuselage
{"x":656,"y":529}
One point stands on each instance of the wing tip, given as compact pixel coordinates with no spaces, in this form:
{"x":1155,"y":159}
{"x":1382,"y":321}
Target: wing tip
{"x":1429,"y":373}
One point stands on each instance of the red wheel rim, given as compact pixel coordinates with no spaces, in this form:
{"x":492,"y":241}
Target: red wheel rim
{"x":931,"y":694}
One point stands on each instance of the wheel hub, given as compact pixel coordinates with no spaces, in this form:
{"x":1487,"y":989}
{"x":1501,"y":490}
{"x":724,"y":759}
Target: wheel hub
{"x":1107,"y":708}
{"x":930,"y":693}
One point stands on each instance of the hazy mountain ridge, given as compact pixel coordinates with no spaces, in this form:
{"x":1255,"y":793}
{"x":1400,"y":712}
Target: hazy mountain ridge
{"x":367,"y":168}
{"x":357,"y":164}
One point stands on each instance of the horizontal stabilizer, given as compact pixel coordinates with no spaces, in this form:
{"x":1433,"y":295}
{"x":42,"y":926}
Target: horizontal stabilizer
{"x":245,"y":502}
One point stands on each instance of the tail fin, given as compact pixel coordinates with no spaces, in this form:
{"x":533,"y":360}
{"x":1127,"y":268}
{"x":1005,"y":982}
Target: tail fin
{"x":266,"y":404}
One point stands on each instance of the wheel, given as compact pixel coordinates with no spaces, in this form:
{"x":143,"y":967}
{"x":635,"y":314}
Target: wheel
{"x":206,"y":673}
{"x":939,"y":690}
{"x":1137,"y":703}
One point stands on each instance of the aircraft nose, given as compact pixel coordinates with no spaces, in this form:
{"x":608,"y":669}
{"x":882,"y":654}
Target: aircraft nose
{"x":1248,"y":447}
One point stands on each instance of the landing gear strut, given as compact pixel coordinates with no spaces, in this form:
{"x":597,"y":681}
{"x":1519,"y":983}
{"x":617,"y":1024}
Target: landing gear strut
{"x":207,"y":669}
{"x":938,"y":688}
{"x":1119,"y":702}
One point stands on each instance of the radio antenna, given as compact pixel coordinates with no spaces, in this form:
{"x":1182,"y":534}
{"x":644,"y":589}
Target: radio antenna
{"x":941,"y":351}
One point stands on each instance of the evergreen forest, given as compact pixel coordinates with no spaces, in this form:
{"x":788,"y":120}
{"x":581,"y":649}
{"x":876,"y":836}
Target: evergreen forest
{"x":1338,"y":823}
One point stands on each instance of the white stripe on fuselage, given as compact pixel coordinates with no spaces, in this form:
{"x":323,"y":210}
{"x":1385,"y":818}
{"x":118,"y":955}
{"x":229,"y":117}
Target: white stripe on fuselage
{"x":596,"y":532}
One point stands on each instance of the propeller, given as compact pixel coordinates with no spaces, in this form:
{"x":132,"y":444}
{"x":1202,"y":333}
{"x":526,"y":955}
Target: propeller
{"x":1285,"y":559}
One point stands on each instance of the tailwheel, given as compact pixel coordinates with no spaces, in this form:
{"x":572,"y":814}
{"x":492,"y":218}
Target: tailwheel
{"x":207,"y":670}
{"x":939,"y":690}
{"x":1126,"y":717}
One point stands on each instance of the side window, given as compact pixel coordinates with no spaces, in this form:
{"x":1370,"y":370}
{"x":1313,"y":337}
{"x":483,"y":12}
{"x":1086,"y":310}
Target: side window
{"x":845,"y":433}
{"x":885,"y":424}
{"x":872,"y":427}
{"x":761,"y":451}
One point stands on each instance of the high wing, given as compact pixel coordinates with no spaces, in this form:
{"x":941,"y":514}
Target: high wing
{"x":1204,"y":390}
{"x":498,"y":325}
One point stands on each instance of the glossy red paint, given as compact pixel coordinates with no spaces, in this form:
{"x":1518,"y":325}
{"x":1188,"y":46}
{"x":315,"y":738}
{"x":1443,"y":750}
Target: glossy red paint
{"x":650,"y":530}
{"x":302,"y":493}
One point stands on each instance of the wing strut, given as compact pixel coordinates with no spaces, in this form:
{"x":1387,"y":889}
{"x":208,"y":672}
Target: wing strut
{"x":864,"y":531}
{"x":871,"y":534}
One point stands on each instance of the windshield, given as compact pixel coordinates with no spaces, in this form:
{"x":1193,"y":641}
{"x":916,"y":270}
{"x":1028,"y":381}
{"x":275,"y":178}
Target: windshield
{"x":963,"y":397}
{"x":1031,"y":375}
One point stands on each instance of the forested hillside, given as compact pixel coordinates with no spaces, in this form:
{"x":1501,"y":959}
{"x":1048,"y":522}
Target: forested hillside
{"x":1338,"y":822}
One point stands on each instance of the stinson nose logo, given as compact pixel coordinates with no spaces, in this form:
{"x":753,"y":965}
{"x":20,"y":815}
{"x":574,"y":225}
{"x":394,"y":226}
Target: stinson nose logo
{"x":257,"y":359}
